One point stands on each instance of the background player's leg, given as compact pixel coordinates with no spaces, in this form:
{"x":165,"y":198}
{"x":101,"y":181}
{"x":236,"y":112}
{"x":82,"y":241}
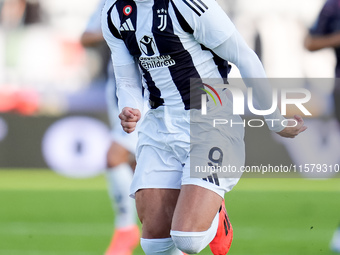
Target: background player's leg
{"x":155,"y":209}
{"x":119,"y":177}
{"x":335,"y":243}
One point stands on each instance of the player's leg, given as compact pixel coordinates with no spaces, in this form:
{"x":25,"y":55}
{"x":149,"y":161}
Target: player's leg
{"x":156,"y":185}
{"x":200,"y":217}
{"x":335,"y":243}
{"x":196,"y":209}
{"x":119,"y":176}
{"x":156,"y":205}
{"x":196,"y":219}
{"x":155,"y":209}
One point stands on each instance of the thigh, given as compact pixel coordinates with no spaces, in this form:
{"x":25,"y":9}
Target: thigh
{"x":196,"y":208}
{"x":155,"y":208}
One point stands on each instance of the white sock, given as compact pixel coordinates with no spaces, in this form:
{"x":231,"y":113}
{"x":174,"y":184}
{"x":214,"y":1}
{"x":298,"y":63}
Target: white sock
{"x":164,"y":246}
{"x":194,"y":242}
{"x":335,"y":243}
{"x":119,"y":180}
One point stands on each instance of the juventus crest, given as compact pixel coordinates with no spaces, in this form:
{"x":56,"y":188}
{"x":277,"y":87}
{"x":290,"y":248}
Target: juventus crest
{"x":162,"y":15}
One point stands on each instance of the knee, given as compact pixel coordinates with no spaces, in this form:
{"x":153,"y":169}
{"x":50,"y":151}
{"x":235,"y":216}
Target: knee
{"x":194,"y":242}
{"x":189,"y":242}
{"x":116,"y":155}
{"x":155,"y":231}
{"x":113,"y":161}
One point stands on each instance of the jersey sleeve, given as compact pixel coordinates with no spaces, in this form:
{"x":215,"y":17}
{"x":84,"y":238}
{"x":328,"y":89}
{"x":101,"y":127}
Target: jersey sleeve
{"x":323,"y":23}
{"x":119,"y":53}
{"x":237,"y":51}
{"x":128,"y":82}
{"x":210,"y":24}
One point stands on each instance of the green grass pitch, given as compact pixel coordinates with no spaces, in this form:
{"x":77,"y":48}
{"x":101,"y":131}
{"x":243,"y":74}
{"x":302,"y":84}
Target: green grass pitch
{"x":42,"y":213}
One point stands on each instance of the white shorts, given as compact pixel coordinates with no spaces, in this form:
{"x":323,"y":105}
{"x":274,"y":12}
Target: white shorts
{"x":165,"y":151}
{"x":128,"y":141}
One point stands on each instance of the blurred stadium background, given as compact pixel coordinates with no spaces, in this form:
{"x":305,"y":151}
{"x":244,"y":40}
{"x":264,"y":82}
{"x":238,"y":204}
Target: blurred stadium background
{"x":54,"y":134}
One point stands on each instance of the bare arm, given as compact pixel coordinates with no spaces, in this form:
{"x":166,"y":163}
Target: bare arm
{"x":91,"y":39}
{"x":314,"y":42}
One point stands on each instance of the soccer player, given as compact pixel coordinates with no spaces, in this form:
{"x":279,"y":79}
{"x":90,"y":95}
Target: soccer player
{"x":169,"y":42}
{"x":120,"y":157}
{"x":325,"y":33}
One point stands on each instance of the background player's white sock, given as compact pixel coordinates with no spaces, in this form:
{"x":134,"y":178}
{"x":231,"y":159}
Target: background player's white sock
{"x":164,"y":246}
{"x":335,"y":243}
{"x":119,"y":179}
{"x":194,"y":242}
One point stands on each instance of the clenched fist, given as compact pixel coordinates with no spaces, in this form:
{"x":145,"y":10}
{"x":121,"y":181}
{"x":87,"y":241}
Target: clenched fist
{"x":129,"y":118}
{"x":291,"y":132}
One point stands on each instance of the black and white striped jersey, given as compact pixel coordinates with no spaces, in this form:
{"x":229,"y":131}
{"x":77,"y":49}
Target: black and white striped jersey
{"x":171,"y":40}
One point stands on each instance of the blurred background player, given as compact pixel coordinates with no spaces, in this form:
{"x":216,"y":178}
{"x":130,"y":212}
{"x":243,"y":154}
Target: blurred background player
{"x":120,"y":157}
{"x":325,"y":33}
{"x":15,"y":15}
{"x":19,"y":12}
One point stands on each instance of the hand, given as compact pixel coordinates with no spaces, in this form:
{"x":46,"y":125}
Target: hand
{"x":291,"y":132}
{"x":129,"y":118}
